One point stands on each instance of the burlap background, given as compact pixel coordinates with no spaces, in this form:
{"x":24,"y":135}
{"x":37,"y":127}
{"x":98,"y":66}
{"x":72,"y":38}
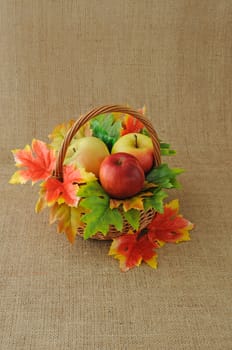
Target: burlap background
{"x":57,"y":60}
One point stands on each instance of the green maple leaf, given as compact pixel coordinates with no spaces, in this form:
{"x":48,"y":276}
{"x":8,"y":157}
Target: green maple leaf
{"x":106,"y":128}
{"x":164,"y":177}
{"x":90,"y":189}
{"x":132,"y":216}
{"x":166,"y":150}
{"x":155,"y":201}
{"x":99,"y":215}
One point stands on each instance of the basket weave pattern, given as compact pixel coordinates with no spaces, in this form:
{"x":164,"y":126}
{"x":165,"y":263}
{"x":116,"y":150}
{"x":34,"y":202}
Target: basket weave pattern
{"x":145,"y":219}
{"x":145,"y":216}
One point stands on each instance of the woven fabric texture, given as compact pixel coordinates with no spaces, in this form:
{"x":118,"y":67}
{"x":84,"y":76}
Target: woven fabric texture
{"x":59,"y":59}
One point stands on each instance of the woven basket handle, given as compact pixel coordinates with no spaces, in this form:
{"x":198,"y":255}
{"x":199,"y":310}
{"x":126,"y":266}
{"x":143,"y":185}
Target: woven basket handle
{"x":58,"y":173}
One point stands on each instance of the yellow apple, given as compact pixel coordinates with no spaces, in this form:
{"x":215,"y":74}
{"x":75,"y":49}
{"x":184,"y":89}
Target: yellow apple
{"x":88,"y":153}
{"x":139,"y":146}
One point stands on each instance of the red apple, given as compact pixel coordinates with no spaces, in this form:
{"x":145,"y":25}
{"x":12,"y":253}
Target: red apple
{"x":121,"y":175}
{"x":138,"y":145}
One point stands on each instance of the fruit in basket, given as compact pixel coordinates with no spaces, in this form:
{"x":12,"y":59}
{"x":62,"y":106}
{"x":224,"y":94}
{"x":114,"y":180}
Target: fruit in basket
{"x":89,"y":152}
{"x":138,"y":145}
{"x":121,"y":175}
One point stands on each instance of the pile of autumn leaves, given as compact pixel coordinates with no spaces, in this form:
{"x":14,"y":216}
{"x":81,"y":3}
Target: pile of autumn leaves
{"x":37,"y":162}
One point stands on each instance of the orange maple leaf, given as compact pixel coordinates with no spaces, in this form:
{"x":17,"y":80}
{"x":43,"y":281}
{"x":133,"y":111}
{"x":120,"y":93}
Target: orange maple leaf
{"x":170,"y":226}
{"x":133,"y":248}
{"x":65,"y":191}
{"x":36,"y":162}
{"x":131,"y":125}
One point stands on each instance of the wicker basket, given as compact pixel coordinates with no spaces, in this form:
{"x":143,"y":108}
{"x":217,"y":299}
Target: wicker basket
{"x":145,"y":216}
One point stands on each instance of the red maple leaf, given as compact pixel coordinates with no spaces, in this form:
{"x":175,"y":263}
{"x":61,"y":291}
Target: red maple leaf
{"x":131,"y":125}
{"x":36,"y":162}
{"x":133,"y":248}
{"x":65,"y":191}
{"x":169,"y":226}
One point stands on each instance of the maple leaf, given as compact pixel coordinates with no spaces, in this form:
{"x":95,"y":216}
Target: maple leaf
{"x":107,"y":128}
{"x":131,"y":208}
{"x":65,"y":191}
{"x":155,"y":201}
{"x":86,"y":176}
{"x":99,"y":216}
{"x":36,"y":162}
{"x":59,"y":132}
{"x":166,"y":150}
{"x":131,"y":125}
{"x":133,"y":217}
{"x":150,"y":197}
{"x":69,"y":219}
{"x":170,"y":226}
{"x":164,"y":177}
{"x":133,"y":248}
{"x":135,"y":202}
{"x":41,"y":202}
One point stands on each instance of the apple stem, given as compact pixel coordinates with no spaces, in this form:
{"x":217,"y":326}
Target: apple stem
{"x":136,"y":141}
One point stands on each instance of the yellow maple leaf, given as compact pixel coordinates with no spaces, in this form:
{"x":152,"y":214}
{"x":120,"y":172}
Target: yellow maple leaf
{"x":135,"y":202}
{"x":69,"y":219}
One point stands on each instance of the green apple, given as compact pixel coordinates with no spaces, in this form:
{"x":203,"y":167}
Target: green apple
{"x":139,"y":146}
{"x":88,"y":153}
